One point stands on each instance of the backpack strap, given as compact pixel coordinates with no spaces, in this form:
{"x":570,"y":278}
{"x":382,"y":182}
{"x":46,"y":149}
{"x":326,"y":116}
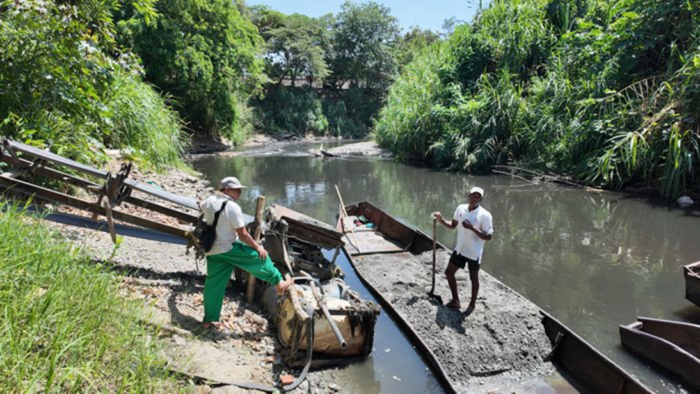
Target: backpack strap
{"x":216,"y":215}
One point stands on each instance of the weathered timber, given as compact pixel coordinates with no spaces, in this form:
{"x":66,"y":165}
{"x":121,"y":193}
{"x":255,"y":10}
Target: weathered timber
{"x":57,"y":197}
{"x":692,"y":282}
{"x":94,"y":187}
{"x":12,"y":146}
{"x":674,"y":346}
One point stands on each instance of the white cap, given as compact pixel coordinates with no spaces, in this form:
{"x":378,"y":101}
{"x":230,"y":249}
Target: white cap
{"x":477,"y":189}
{"x":230,"y":182}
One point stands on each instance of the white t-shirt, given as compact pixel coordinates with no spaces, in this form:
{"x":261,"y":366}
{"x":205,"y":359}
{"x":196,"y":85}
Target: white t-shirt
{"x":469,"y":244}
{"x":230,"y":219}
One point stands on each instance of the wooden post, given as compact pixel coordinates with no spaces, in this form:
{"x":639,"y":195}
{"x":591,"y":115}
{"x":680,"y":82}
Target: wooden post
{"x":344,"y":213}
{"x":250,"y":293}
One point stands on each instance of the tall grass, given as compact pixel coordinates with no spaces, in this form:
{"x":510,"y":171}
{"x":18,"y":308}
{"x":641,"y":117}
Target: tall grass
{"x":410,"y":121}
{"x":63,"y":326}
{"x":142,"y":123}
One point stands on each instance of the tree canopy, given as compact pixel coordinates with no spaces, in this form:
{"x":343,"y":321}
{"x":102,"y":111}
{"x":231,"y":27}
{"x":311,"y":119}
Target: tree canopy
{"x":604,"y":92}
{"x":295,"y":46}
{"x":201,"y":52}
{"x":363,"y":39}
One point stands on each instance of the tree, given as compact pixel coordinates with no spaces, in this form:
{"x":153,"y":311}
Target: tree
{"x":363,"y":40}
{"x":449,"y":25}
{"x":410,"y":44}
{"x":295,"y":46}
{"x":201,"y":52}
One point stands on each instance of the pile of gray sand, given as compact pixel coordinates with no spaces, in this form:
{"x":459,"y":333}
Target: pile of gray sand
{"x":501,"y":344}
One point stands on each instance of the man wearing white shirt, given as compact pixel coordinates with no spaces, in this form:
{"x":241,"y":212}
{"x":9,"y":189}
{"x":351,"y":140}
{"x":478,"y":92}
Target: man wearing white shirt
{"x":233,"y":248}
{"x":474,"y":227}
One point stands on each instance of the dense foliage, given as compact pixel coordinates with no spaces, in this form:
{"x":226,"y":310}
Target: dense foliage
{"x":203,"y":53}
{"x":604,"y":91}
{"x":65,"y":84}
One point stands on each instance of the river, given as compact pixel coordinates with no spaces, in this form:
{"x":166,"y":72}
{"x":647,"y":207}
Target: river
{"x":594,"y":260}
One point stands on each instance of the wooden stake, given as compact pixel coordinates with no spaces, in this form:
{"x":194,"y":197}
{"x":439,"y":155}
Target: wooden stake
{"x":344,"y":213}
{"x":250,"y":293}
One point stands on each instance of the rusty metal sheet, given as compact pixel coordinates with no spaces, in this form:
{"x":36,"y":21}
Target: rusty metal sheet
{"x":307,"y":229}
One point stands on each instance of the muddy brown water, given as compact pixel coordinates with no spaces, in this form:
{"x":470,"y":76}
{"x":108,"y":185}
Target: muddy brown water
{"x":593,"y":260}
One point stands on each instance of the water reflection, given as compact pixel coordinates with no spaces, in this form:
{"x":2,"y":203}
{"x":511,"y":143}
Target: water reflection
{"x":593,"y":260}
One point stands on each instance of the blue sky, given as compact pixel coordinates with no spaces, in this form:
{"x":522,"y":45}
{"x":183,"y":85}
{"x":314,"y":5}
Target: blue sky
{"x":427,"y":14}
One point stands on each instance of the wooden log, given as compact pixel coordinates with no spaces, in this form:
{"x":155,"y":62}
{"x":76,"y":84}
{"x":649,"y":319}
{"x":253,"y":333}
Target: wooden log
{"x":250,"y":293}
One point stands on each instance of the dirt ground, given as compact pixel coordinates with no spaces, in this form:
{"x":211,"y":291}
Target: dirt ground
{"x":502,"y":341}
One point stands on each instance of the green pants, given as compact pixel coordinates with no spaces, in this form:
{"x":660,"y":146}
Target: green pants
{"x":219,"y":269}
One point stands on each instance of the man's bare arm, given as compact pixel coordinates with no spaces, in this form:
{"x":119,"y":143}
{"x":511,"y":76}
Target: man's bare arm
{"x":439,"y":218}
{"x":245,"y":237}
{"x":486,"y":237}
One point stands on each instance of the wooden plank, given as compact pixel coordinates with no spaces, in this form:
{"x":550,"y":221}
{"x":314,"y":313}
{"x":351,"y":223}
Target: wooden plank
{"x":30,"y":189}
{"x":692,"y":282}
{"x":670,"y":345}
{"x":306,"y":229}
{"x":592,"y":370}
{"x":91,"y":186}
{"x":56,"y":159}
{"x":52,"y":157}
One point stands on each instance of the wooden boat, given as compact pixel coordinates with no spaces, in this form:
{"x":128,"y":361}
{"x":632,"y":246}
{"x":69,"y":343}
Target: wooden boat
{"x":343,"y":323}
{"x":295,"y":242}
{"x":692,"y":282}
{"x":591,"y":370}
{"x":386,"y":235}
{"x":674,"y":346}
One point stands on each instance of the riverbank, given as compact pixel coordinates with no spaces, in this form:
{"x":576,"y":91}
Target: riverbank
{"x":366,"y":148}
{"x":169,"y":284}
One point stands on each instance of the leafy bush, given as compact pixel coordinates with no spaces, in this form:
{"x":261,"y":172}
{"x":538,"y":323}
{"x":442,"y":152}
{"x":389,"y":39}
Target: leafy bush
{"x":202,"y":53}
{"x":292,"y":110}
{"x":59,"y":86}
{"x":142,"y":121}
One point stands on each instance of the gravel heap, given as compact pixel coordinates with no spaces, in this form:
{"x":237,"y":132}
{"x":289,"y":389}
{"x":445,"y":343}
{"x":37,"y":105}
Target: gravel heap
{"x":502,"y":341}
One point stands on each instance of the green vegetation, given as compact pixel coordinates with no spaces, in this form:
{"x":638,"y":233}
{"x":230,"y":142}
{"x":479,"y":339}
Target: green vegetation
{"x":329,"y":75}
{"x":203,"y":53}
{"x":63,"y":325}
{"x":603,"y":91}
{"x":61,"y":71}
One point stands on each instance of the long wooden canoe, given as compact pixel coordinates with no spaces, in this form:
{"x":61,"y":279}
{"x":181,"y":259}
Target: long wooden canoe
{"x":692,"y":282}
{"x":591,"y":370}
{"x":674,"y":346}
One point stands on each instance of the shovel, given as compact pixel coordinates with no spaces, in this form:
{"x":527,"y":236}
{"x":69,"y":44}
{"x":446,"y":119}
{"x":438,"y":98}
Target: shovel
{"x":432,"y":289}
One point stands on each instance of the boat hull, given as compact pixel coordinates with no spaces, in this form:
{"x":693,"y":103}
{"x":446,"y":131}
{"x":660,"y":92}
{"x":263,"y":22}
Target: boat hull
{"x":692,"y":282}
{"x":591,"y":370}
{"x":674,"y":346}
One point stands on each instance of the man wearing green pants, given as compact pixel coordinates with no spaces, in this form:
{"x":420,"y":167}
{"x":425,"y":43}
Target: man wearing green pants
{"x":233,"y":248}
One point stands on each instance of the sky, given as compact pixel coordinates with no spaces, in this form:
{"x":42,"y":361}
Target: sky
{"x":426,"y":14}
